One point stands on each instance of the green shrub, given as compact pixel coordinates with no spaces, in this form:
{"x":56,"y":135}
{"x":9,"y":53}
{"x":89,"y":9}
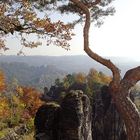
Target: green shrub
{"x":30,"y":125}
{"x":3,"y":125}
{"x":13,"y":121}
{"x":2,"y":134}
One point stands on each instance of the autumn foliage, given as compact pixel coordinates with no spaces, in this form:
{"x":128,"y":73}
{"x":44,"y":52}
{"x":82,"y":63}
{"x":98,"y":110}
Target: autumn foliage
{"x":2,"y":81}
{"x":4,"y":108}
{"x":18,"y":104}
{"x":30,"y":98}
{"x":22,"y":19}
{"x":89,"y":83}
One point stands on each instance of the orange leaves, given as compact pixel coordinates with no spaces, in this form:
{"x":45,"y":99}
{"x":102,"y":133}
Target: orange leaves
{"x":2,"y":9}
{"x":64,"y":30}
{"x":23,"y":18}
{"x":49,"y":27}
{"x":17,"y":104}
{"x":41,"y":23}
{"x":28,"y":15}
{"x":30,"y":97}
{"x":62,"y":33}
{"x":4,"y":107}
{"x":25,"y":3}
{"x":80,"y":78}
{"x":2,"y":81}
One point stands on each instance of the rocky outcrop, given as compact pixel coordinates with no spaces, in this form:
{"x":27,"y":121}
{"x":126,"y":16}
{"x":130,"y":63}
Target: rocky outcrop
{"x":74,"y":120}
{"x":107,"y":124}
{"x":46,"y":122}
{"x":69,"y":121}
{"x":55,"y":92}
{"x":75,"y":117}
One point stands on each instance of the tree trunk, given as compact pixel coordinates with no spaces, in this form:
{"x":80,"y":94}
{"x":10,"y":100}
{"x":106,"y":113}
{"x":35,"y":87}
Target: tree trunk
{"x":129,"y":114}
{"x":119,"y":88}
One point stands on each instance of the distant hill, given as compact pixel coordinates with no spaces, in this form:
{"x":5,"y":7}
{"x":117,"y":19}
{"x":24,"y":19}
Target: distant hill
{"x":71,"y":64}
{"x":43,"y":70}
{"x":37,"y":76}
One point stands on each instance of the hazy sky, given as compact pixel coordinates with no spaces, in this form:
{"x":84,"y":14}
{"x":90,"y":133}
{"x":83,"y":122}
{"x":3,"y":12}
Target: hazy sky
{"x":118,"y":36}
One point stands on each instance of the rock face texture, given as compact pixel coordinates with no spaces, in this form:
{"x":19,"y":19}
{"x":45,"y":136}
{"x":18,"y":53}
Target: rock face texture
{"x":106,"y":122}
{"x":74,"y":119}
{"x":46,"y":122}
{"x":69,"y":121}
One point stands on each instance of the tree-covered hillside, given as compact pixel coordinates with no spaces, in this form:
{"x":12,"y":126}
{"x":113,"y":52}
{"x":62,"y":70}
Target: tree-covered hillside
{"x":40,"y":71}
{"x":71,"y":64}
{"x":37,"y":76}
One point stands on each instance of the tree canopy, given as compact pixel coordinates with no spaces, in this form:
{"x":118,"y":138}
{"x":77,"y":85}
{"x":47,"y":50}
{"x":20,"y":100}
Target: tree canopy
{"x":25,"y":18}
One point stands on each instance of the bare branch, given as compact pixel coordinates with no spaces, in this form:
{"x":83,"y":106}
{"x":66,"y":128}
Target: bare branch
{"x":93,"y":55}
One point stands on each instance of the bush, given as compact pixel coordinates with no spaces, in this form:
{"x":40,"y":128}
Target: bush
{"x":30,"y":125}
{"x":2,"y":134}
{"x":13,"y":121}
{"x":3,"y":125}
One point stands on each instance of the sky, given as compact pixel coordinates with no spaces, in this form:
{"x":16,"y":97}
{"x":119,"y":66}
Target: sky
{"x":119,"y":36}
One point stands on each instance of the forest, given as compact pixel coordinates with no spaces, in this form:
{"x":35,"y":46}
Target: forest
{"x":19,"y":104}
{"x":40,"y":71}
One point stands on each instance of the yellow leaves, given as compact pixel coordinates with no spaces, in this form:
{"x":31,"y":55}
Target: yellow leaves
{"x":104,"y":78}
{"x":25,"y":3}
{"x":18,"y":102}
{"x":80,"y":78}
{"x":4,"y":107}
{"x":2,"y":81}
{"x":30,"y":98}
{"x":19,"y":91}
{"x":28,"y":15}
{"x":97,"y":77}
{"x":45,"y":24}
{"x":93,"y":76}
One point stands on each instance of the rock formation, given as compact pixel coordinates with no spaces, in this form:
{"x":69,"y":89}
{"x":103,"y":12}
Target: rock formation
{"x":46,"y":122}
{"x":74,"y":120}
{"x":107,"y":124}
{"x":75,"y":117}
{"x":69,"y":121}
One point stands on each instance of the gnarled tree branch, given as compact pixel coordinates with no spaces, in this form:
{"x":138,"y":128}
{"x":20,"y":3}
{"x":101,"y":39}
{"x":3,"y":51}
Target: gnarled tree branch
{"x":93,"y":55}
{"x":131,"y":77}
